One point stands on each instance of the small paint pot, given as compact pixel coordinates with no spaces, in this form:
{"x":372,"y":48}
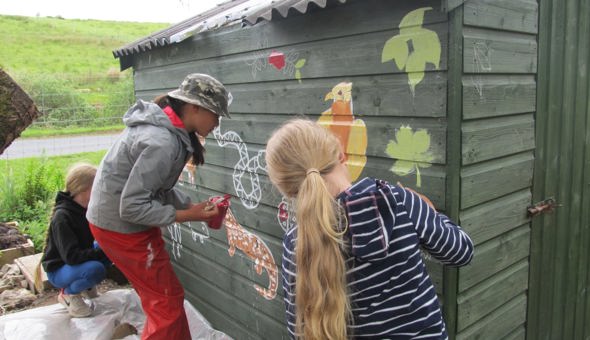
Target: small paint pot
{"x":223,"y":204}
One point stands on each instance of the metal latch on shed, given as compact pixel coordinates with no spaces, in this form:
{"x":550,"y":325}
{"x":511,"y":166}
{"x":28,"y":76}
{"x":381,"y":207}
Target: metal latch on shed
{"x":547,"y":205}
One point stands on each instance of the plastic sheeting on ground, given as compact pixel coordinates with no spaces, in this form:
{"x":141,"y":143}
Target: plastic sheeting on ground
{"x":109,"y":310}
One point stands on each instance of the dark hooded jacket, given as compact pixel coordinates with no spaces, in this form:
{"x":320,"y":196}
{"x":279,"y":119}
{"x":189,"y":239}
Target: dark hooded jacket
{"x":69,"y":240}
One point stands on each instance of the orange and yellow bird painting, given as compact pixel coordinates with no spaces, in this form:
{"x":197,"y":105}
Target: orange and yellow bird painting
{"x":351,"y":132}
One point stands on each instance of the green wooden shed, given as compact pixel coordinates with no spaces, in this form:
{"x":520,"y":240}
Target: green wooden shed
{"x":462,"y":100}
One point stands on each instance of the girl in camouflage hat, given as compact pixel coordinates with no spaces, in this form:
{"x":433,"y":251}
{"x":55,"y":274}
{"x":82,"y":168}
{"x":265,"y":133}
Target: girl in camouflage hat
{"x":134,"y":194}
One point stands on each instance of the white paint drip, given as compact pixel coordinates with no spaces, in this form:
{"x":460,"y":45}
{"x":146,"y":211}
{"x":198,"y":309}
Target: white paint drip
{"x":150,"y":256}
{"x":482,"y":58}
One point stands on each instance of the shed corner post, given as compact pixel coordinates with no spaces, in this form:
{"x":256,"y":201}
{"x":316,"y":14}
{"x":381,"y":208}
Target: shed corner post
{"x":453,"y":166}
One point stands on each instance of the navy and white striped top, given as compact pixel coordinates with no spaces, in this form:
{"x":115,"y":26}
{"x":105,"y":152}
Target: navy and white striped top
{"x":391,"y":294}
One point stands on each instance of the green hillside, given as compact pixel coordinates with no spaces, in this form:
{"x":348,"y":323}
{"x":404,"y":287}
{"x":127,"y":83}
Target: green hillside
{"x":68,"y":68}
{"x":60,"y":46}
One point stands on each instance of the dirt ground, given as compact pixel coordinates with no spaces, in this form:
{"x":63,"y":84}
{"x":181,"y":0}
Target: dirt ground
{"x":49,"y":296}
{"x":11,"y":237}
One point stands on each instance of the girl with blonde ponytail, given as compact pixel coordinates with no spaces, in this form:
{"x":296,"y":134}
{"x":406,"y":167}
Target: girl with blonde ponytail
{"x":352,"y":265}
{"x":73,"y":261}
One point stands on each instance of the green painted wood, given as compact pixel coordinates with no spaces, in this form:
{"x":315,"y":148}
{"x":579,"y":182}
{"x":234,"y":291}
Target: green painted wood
{"x":506,"y":15}
{"x":360,"y":17}
{"x":559,"y":303}
{"x":518,"y":334}
{"x":435,"y":271}
{"x":257,"y":128}
{"x":487,"y":296}
{"x":580,"y":197}
{"x":567,"y":251}
{"x":323,"y":59}
{"x":499,"y":324}
{"x":217,"y":319}
{"x":488,"y":180}
{"x":450,"y":5}
{"x":453,"y":169}
{"x":491,"y":51}
{"x":486,"y":221}
{"x":228,"y":282}
{"x":539,"y":246}
{"x":265,"y":97}
{"x":499,"y":92}
{"x":433,"y":179}
{"x":381,"y":95}
{"x":251,"y":319}
{"x":486,"y":139}
{"x":495,"y":255}
{"x":216,"y":251}
{"x":489,"y":95}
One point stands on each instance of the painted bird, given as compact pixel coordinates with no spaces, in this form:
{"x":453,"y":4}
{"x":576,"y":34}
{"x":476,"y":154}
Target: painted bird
{"x":351,"y":132}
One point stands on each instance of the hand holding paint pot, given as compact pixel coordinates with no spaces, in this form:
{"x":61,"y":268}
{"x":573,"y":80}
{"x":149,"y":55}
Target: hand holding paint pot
{"x":223,"y":204}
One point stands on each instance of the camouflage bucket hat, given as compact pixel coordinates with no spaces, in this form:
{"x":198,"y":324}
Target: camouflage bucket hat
{"x":205,"y":91}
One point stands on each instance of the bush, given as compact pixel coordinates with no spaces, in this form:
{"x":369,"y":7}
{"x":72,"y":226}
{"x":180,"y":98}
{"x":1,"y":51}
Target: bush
{"x":28,"y":197}
{"x":79,"y":102}
{"x":28,"y":188}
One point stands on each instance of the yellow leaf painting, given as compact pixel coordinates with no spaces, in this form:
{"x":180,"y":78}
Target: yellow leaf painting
{"x":425,"y":47}
{"x":410,"y":149}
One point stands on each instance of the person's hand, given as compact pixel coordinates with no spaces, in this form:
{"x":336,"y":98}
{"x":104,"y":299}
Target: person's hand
{"x":424,"y":198}
{"x":203,"y":211}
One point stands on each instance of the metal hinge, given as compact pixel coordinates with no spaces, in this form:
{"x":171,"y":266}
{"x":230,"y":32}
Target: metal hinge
{"x":547,"y":205}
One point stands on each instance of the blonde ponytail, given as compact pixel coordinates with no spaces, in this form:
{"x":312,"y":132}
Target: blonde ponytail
{"x":297,"y":155}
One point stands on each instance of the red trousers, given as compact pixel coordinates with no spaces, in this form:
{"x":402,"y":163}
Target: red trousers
{"x":146,"y":264}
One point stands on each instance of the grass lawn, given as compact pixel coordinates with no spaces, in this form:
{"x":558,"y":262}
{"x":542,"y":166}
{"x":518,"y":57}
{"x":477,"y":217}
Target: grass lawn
{"x":33,"y":132}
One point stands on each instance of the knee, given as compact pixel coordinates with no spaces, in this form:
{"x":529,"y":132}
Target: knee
{"x":95,"y":271}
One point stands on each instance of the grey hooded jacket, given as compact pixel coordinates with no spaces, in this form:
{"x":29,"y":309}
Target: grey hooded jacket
{"x":134,"y":185}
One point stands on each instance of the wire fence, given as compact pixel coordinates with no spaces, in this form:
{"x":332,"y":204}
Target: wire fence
{"x":81,"y":105}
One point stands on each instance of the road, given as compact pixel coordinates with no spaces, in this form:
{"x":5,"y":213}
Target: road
{"x":53,"y":146}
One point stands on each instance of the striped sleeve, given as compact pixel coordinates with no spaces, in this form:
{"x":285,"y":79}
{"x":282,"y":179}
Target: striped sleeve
{"x":442,"y":238}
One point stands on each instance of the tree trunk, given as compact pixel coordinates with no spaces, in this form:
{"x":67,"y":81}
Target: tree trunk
{"x":17,"y":110}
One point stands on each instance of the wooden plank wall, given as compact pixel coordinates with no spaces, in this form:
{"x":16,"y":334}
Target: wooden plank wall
{"x":498,"y":141}
{"x":559,"y":303}
{"x":340,"y":44}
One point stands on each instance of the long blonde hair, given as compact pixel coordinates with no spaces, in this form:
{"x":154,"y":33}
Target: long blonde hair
{"x":297,"y":155}
{"x":79,"y":178}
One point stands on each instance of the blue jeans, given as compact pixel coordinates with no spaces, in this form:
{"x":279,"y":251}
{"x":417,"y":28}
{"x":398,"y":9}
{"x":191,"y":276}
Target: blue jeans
{"x":77,"y":278}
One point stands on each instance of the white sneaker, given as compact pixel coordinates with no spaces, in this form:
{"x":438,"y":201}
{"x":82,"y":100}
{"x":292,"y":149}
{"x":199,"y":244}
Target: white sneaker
{"x":75,"y":305}
{"x":89,"y":293}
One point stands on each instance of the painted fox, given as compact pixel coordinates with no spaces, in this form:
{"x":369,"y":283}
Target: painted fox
{"x":255,"y":249}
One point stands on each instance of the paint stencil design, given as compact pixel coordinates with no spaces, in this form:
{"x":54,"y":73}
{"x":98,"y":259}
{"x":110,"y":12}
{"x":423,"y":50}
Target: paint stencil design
{"x":351,"y":131}
{"x":413,"y":48}
{"x":411,"y":151}
{"x":288,"y":63}
{"x":246,"y":169}
{"x":176,"y":237}
{"x":285,"y":215}
{"x":200,"y":232}
{"x":255,"y":249}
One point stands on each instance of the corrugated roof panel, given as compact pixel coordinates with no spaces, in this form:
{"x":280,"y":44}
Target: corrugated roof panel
{"x":228,"y":13}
